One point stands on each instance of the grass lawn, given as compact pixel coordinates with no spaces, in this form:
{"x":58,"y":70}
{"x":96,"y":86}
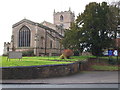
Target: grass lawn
{"x":107,"y":67}
{"x":32,"y":61}
{"x":107,"y":57}
{"x":27,"y":62}
{"x":73,"y":58}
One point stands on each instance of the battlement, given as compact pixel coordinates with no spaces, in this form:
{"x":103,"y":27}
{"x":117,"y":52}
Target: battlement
{"x":64,"y":12}
{"x":6,"y":43}
{"x":61,"y":12}
{"x":64,"y":18}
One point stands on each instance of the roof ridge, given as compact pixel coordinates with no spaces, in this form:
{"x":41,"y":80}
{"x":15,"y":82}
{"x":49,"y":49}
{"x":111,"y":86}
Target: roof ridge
{"x":34,"y":23}
{"x":23,"y":20}
{"x":48,"y":22}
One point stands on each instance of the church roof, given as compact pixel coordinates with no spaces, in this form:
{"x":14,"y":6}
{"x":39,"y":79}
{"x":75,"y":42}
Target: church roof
{"x":22,"y":21}
{"x":48,"y":23}
{"x":35,"y":23}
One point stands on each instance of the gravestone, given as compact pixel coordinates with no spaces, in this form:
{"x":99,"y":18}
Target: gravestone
{"x":14,"y":55}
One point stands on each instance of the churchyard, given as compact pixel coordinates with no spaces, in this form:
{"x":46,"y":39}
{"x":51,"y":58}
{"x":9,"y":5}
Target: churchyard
{"x":17,"y":66}
{"x":30,"y":67}
{"x":101,"y":64}
{"x":46,"y":60}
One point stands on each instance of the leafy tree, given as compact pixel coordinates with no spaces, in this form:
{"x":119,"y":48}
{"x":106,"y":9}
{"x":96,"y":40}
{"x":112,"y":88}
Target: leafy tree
{"x":71,"y":39}
{"x":99,"y":26}
{"x":115,"y":9}
{"x":94,"y":29}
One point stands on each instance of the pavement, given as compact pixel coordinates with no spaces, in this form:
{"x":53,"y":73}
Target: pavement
{"x":85,"y":77}
{"x":84,"y":86}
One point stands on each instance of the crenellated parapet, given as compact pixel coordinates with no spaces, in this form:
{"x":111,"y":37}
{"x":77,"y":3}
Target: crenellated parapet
{"x":7,"y":48}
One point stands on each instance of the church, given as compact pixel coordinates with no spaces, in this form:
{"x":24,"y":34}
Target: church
{"x":41,"y":38}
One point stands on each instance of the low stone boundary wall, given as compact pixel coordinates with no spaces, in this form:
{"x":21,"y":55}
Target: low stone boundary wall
{"x":84,"y":65}
{"x":44,"y":71}
{"x":108,"y":60}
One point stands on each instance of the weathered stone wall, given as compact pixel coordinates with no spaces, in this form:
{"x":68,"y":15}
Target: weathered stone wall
{"x":68,"y":18}
{"x":42,"y":38}
{"x":44,"y":71}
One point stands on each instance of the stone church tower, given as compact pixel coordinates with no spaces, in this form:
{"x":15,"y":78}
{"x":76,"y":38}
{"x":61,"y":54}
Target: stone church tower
{"x":64,"y":18}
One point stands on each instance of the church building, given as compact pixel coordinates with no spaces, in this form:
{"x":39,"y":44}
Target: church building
{"x":42,"y":38}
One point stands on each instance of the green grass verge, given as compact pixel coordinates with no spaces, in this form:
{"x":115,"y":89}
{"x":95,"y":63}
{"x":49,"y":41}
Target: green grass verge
{"x":27,"y":62}
{"x":31,"y":61}
{"x":73,"y":58}
{"x":107,"y":57}
{"x":101,"y":67}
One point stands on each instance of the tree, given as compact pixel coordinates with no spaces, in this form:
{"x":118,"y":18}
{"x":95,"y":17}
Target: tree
{"x":115,"y":8}
{"x":71,"y":39}
{"x":99,"y":26}
{"x":94,"y":29}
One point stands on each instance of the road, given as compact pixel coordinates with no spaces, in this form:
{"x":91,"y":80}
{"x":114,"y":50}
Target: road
{"x":87,"y":79}
{"x":79,"y":78}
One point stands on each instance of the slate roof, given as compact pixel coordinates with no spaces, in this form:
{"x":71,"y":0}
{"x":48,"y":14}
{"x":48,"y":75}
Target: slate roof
{"x":50,"y":24}
{"x":35,"y":23}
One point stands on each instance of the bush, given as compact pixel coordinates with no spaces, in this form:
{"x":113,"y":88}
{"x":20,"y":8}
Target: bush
{"x":28,"y":53}
{"x":76,"y":53}
{"x":66,"y":54}
{"x":5,"y":55}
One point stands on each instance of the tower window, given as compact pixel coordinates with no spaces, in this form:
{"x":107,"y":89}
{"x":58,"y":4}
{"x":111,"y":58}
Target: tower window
{"x":61,"y":18}
{"x":24,"y":37}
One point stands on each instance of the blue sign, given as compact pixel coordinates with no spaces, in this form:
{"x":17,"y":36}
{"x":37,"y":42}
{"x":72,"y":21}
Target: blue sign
{"x":110,"y":52}
{"x":115,"y":53}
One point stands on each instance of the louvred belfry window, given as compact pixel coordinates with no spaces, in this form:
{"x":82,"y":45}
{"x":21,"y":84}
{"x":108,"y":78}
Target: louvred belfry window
{"x":61,"y":18}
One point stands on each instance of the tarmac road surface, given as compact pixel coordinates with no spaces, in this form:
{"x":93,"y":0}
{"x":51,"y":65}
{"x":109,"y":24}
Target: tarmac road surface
{"x":81,"y":77}
{"x":86,"y":79}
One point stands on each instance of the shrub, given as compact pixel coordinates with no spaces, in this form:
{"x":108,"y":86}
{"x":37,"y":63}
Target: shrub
{"x":66,"y":54}
{"x":28,"y":53}
{"x":76,"y":53}
{"x":5,"y":55}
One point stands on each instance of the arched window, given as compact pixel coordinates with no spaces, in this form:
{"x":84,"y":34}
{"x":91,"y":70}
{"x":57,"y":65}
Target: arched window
{"x":24,"y":37}
{"x":61,"y":18}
